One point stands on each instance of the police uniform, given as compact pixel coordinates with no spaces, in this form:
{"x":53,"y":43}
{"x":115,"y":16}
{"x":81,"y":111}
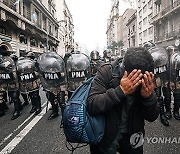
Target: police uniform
{"x":53,"y":79}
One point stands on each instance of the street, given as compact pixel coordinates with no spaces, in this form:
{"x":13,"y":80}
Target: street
{"x":35,"y":134}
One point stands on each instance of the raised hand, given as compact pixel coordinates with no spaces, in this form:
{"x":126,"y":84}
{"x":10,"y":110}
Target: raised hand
{"x":131,"y":81}
{"x":147,"y":84}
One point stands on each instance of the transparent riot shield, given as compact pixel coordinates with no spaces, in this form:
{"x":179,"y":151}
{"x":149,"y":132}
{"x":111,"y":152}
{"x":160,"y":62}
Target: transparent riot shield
{"x":28,"y":75}
{"x":78,"y":70}
{"x":175,"y":71}
{"x":8,"y":75}
{"x":52,"y":72}
{"x":161,"y":65}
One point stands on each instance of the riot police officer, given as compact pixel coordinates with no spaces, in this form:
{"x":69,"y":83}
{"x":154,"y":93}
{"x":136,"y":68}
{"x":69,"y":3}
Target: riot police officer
{"x":95,"y":62}
{"x":34,"y":95}
{"x":29,"y":81}
{"x":78,"y":70}
{"x":9,"y":82}
{"x":2,"y":93}
{"x":53,"y":79}
{"x":107,"y":56}
{"x":160,"y":58}
{"x":175,"y":80}
{"x":14,"y":95}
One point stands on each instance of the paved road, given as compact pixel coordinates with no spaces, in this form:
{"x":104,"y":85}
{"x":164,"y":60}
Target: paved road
{"x":35,"y":134}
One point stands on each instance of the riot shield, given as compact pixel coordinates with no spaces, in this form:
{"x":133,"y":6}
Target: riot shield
{"x":78,"y":70}
{"x":161,"y":65}
{"x":52,"y":72}
{"x":175,"y":70}
{"x":8,"y":75}
{"x":28,"y":75}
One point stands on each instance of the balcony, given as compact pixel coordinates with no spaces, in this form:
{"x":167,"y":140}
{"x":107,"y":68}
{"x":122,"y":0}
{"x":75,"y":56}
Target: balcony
{"x":167,"y":36}
{"x":157,"y":1}
{"x":167,"y":11}
{"x":155,"y":18}
{"x":10,"y":4}
{"x":5,"y":38}
{"x":171,"y":8}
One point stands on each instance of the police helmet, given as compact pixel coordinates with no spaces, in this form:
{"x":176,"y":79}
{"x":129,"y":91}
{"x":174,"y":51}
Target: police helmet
{"x":148,"y":45}
{"x":107,"y":53}
{"x":14,"y":57}
{"x":30,"y":55}
{"x":94,"y":55}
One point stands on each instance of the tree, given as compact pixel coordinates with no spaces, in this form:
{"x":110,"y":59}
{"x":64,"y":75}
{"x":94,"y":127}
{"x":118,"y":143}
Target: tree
{"x":120,"y":44}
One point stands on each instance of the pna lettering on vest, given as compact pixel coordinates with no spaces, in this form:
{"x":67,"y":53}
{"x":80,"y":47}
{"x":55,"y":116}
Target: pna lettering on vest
{"x":27,"y":76}
{"x":5,"y":76}
{"x":78,"y":74}
{"x":160,"y":69}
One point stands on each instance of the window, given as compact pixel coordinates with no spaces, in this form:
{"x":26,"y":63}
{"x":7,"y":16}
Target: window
{"x":140,"y":36}
{"x":56,"y":32}
{"x":139,"y":3}
{"x":140,"y":24}
{"x":150,"y":30}
{"x":36,"y":17}
{"x":145,"y":33}
{"x":140,"y":13}
{"x":53,"y":13}
{"x":145,"y":8}
{"x":171,"y":25}
{"x":2,"y":30}
{"x":33,"y":42}
{"x":50,"y":28}
{"x":24,"y":10}
{"x":44,"y":22}
{"x":145,"y":21}
{"x":158,"y":8}
{"x":150,"y":4}
{"x":41,"y":45}
{"x":171,"y":2}
{"x":49,"y":6}
{"x":150,"y":16}
{"x":133,"y":28}
{"x":22,"y":38}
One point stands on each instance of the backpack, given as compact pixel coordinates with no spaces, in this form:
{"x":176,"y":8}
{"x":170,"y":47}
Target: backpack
{"x":79,"y":126}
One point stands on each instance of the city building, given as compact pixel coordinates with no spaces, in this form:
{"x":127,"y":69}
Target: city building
{"x":112,"y":24}
{"x":129,"y":28}
{"x":120,"y":21}
{"x":166,"y":21}
{"x":31,"y":25}
{"x":145,"y":32}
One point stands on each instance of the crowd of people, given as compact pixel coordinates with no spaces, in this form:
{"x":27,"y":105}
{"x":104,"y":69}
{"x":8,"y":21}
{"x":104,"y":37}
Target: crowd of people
{"x":127,"y":90}
{"x":19,"y":84}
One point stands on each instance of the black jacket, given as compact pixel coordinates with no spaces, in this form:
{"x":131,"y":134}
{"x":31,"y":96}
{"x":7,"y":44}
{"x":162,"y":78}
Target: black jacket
{"x":106,"y":97}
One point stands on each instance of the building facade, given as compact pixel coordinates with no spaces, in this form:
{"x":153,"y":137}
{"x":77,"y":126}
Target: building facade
{"x":69,"y":28}
{"x":145,"y":30}
{"x":29,"y":25}
{"x":166,"y":21}
{"x":112,"y":24}
{"x":129,"y":28}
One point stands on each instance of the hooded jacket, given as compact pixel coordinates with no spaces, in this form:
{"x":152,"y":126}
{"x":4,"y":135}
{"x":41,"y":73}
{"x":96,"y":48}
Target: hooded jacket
{"x":107,"y":98}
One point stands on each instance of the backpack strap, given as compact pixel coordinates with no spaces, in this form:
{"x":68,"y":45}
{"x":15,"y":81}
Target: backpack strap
{"x":117,"y":71}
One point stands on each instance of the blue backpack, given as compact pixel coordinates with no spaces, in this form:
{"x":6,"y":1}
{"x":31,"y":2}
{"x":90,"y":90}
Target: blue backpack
{"x":79,"y":126}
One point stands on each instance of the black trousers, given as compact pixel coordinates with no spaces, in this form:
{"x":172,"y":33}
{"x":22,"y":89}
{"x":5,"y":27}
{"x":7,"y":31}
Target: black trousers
{"x":120,"y":144}
{"x":50,"y":96}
